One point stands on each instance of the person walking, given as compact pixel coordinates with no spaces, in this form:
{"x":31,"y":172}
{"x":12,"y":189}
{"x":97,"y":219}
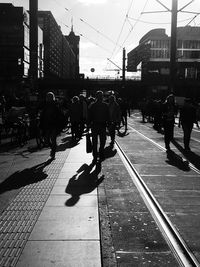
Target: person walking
{"x":114,"y":117}
{"x":50,"y":122}
{"x":187,"y":119}
{"x":124,"y":111}
{"x":98,"y":121}
{"x":75,"y":114}
{"x":84,"y":113}
{"x":168,"y":116}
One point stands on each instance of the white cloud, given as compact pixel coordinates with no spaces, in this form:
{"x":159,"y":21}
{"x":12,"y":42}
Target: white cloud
{"x":90,"y":2}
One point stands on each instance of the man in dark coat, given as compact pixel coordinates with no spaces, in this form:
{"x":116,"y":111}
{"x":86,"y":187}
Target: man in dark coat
{"x":168,"y":116}
{"x":50,"y":122}
{"x":98,"y":121}
{"x":187,"y":119}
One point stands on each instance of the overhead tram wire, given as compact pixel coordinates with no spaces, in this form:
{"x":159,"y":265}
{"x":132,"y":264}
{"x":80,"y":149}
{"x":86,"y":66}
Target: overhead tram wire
{"x":98,"y":32}
{"x":83,"y":21}
{"x":133,"y":26}
{"x":122,"y":29}
{"x":85,"y":37}
{"x":116,"y":43}
{"x":158,"y":23}
{"x":197,"y":14}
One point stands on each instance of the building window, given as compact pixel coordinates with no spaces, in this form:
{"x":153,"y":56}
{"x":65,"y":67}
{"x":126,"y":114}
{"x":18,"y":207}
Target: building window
{"x":190,"y":73}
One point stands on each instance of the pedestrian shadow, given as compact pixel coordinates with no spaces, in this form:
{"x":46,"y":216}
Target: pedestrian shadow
{"x":189,"y":155}
{"x":84,"y":182}
{"x":66,"y":143}
{"x":25,"y":177}
{"x":122,"y":133}
{"x":177,"y":161}
{"x":109,"y":152}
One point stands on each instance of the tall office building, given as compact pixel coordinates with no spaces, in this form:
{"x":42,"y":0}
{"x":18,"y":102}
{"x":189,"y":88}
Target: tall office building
{"x":59,"y":58}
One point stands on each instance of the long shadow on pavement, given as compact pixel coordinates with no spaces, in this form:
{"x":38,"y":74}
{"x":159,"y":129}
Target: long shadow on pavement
{"x":66,"y":143}
{"x":27,"y":176}
{"x":85,"y":181}
{"x":176,"y":160}
{"x":189,"y":155}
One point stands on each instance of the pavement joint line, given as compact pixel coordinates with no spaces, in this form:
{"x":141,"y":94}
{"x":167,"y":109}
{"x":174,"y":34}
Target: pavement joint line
{"x":19,"y":218}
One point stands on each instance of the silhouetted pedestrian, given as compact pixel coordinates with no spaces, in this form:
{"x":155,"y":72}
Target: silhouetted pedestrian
{"x":114,"y":117}
{"x":75,"y":118}
{"x":168,"y":115}
{"x":124,"y":111}
{"x":187,"y":119}
{"x":98,"y":121}
{"x":50,"y":122}
{"x":157,"y":115}
{"x":84,"y":113}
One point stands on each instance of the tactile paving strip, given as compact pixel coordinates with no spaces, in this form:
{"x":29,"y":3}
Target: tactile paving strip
{"x":19,"y":218}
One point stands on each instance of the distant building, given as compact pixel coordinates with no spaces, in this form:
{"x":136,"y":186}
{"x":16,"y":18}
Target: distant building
{"x":152,"y":55}
{"x":59,"y":58}
{"x":74,"y":44}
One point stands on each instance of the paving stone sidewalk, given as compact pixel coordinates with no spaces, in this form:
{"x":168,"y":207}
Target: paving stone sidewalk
{"x":54,"y":221}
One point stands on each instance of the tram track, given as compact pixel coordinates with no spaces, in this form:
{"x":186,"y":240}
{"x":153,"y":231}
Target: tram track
{"x":178,"y":246}
{"x":164,"y":149}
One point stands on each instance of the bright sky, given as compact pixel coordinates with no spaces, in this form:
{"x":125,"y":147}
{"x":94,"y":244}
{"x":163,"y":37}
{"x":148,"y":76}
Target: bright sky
{"x":106,"y":26}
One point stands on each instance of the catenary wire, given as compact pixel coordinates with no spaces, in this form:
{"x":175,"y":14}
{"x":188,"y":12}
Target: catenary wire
{"x":133,"y":26}
{"x":158,"y":23}
{"x":122,"y":29}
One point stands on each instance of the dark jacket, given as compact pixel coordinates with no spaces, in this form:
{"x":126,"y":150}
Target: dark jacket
{"x":51,"y":117}
{"x":188,"y":114}
{"x":98,"y":113}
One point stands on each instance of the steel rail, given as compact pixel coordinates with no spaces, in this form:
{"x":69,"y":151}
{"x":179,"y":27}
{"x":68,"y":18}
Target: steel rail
{"x":178,"y":246}
{"x":164,"y":149}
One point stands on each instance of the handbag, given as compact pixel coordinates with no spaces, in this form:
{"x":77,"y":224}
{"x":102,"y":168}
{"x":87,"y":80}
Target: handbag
{"x":88,"y":143}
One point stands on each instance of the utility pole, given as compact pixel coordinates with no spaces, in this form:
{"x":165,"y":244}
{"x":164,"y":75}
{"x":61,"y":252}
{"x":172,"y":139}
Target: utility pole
{"x":173,"y":65}
{"x":33,"y":7}
{"x":173,"y":44}
{"x":123,"y":65}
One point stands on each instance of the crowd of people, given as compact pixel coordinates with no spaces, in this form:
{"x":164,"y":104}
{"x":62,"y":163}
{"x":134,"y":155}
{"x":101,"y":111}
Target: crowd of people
{"x":104,"y":114}
{"x":163,"y":115}
{"x":93,"y":114}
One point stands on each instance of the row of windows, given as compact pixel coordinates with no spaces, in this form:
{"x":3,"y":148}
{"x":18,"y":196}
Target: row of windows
{"x":160,"y":44}
{"x":183,"y":54}
{"x":184,"y":44}
{"x":189,"y":54}
{"x":194,"y":44}
{"x":160,"y":53}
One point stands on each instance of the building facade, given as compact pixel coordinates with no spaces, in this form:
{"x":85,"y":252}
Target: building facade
{"x":153,"y":55}
{"x":15,"y":45}
{"x":59,"y":58}
{"x":14,"y":42}
{"x":55,"y":57}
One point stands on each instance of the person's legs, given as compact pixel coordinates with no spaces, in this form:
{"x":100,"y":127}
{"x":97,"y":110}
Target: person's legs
{"x":102,"y":136}
{"x":53,"y":137}
{"x":187,"y":129}
{"x":94,"y":143}
{"x":112,"y":132}
{"x":166,"y":135}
